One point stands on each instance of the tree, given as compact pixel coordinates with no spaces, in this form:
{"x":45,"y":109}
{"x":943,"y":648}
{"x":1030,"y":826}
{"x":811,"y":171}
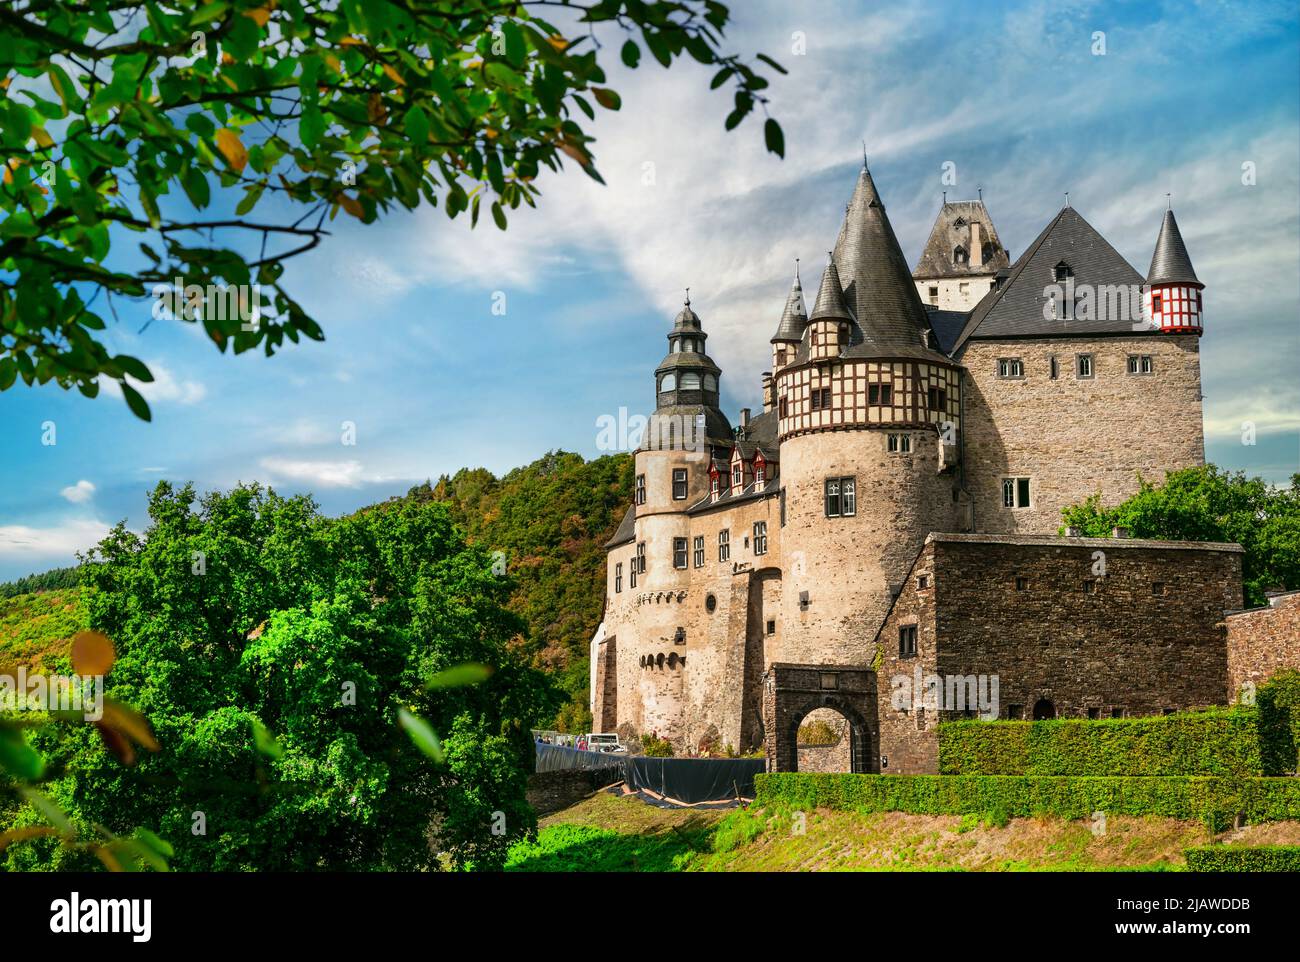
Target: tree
{"x":276,"y":653}
{"x":123,"y":116}
{"x":1207,"y":504}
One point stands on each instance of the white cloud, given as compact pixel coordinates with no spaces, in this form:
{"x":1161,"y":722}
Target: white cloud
{"x":327,"y":474}
{"x":56,"y":543}
{"x":165,"y":386}
{"x":78,"y":493}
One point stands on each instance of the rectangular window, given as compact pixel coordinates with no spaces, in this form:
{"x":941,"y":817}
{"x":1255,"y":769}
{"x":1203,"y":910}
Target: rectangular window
{"x":782,"y":409}
{"x":760,"y":537}
{"x":922,"y":582}
{"x":1010,"y":367}
{"x":886,"y":394}
{"x":1155,"y":304}
{"x":899,"y":443}
{"x":631,"y":574}
{"x":907,"y":641}
{"x":737,"y":474}
{"x":848,"y":497}
{"x":640,"y":489}
{"x":880,"y":394}
{"x":1157,"y":587}
{"x":1117,"y":713}
{"x":1148,"y":364}
{"x":679,"y":484}
{"x":1015,"y":712}
{"x":832,"y":497}
{"x":1083,"y":365}
{"x":934,"y":295}
{"x":724,"y":545}
{"x":771,"y":627}
{"x":1015,"y":492}
{"x":1094,"y":713}
{"x":821,"y":398}
{"x":1089,"y":587}
{"x":618,"y":576}
{"x":699,"y":551}
{"x":938,"y":399}
{"x":1022,"y":583}
{"x":783,"y":507}
{"x":679,"y":552}
{"x":1141,"y":364}
{"x":640,"y":557}
{"x":1055,"y":369}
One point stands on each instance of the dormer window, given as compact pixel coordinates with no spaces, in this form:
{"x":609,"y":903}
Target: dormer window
{"x":760,"y":470}
{"x":715,"y":483}
{"x":737,"y":474}
{"x":1062,"y":271}
{"x":960,"y":256}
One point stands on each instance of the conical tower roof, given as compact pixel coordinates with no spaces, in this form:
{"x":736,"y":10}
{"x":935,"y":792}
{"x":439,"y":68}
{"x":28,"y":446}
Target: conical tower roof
{"x":878,"y":285}
{"x":831,"y":303}
{"x":795,"y":317}
{"x":1170,"y":263}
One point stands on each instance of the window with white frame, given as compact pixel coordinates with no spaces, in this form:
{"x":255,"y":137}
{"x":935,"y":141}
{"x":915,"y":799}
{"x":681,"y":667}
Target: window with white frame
{"x":679,"y":552}
{"x":1010,"y":367}
{"x":760,"y":537}
{"x":1015,"y":492}
{"x":699,"y":551}
{"x":724,"y":545}
{"x":618,"y":576}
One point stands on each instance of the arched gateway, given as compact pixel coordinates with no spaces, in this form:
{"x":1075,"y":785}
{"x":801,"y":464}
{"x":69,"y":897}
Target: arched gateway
{"x":792,"y":692}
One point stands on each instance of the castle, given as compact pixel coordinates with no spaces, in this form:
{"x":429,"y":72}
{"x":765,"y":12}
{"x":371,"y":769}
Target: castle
{"x":894,"y":510}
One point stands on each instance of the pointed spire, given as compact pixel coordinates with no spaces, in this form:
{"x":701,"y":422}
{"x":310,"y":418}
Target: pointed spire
{"x":795,"y":317}
{"x":830,"y":304}
{"x":1170,"y":264}
{"x":878,"y":287}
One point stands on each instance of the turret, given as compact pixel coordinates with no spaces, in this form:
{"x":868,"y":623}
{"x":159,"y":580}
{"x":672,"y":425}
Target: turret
{"x":830,"y":323}
{"x":794,"y":319}
{"x":686,"y":381}
{"x":1173,"y":291}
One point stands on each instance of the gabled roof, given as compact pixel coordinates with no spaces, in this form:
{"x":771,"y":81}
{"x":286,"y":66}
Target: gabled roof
{"x":951,"y":230}
{"x":1016,"y":308}
{"x":1171,"y":264}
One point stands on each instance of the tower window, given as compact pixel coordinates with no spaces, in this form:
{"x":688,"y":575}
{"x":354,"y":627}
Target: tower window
{"x":841,"y":497}
{"x":679,"y":552}
{"x":760,"y":537}
{"x":907,"y":641}
{"x":1140,"y":364}
{"x":879,"y":394}
{"x":1156,"y":300}
{"x":1083,"y":365}
{"x":814,"y":338}
{"x":934,"y":296}
{"x":1010,"y":367}
{"x":724,"y":545}
{"x":782,"y":408}
{"x":771,"y":626}
{"x":1015,"y":492}
{"x":938,"y":398}
{"x":737,"y":474}
{"x":1062,"y":272}
{"x":715,"y":484}
{"x":1022,"y":583}
{"x":1054,"y":368}
{"x":690,"y":381}
{"x":640,"y":557}
{"x":986,"y":252}
{"x":640,"y":489}
{"x":699,"y":551}
{"x":679,"y":484}
{"x":668,"y":383}
{"x":899,"y":443}
{"x":618,"y":576}
{"x":960,"y":256}
{"x":710,"y":382}
{"x":821,"y":398}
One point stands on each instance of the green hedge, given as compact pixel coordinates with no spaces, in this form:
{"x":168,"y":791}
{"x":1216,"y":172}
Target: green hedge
{"x":1217,"y":741}
{"x":1221,"y":858}
{"x":1278,"y":703}
{"x":1216,"y":801}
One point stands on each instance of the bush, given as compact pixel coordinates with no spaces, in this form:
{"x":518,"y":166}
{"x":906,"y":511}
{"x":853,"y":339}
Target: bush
{"x":1278,"y":703}
{"x":817,"y":733}
{"x":1222,"y":858}
{"x":654,"y":747}
{"x":1216,"y":801}
{"x":1217,"y":741}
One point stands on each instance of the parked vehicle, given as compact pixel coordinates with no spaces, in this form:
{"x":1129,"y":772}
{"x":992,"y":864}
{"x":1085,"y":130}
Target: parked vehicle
{"x":604,"y":742}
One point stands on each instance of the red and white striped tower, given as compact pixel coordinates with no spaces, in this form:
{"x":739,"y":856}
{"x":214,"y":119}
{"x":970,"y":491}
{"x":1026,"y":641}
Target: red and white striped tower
{"x":1173,"y":292}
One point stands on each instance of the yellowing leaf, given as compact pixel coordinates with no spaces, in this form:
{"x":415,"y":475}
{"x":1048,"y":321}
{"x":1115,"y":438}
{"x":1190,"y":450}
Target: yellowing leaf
{"x":259,"y":16}
{"x":332,"y":62}
{"x":43,"y":139}
{"x":232,"y":148}
{"x":126,"y":721}
{"x":394,"y":76}
{"x":352,"y":206}
{"x":92,"y":653}
{"x":351,"y":42}
{"x":558,"y":42}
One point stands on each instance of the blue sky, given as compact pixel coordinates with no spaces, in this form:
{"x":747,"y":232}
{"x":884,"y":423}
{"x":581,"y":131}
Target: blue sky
{"x":1012,"y":94}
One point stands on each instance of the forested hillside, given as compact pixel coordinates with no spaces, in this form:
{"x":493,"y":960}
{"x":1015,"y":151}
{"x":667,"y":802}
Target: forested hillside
{"x":552,"y":519}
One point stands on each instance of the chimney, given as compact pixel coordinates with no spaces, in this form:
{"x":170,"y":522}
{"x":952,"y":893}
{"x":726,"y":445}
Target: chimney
{"x":769,"y":394}
{"x":744,"y":419}
{"x":1120,"y":532}
{"x":976,"y":245}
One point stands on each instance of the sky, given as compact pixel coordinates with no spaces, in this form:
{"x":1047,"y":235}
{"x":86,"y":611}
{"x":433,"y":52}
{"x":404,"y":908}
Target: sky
{"x":1200,"y":101}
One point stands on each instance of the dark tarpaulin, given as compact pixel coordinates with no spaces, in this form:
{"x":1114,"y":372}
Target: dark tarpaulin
{"x":693,"y":780}
{"x":688,"y":780}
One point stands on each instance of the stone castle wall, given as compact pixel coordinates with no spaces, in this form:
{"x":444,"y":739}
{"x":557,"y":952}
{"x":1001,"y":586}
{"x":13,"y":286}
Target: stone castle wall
{"x":1263,"y":642}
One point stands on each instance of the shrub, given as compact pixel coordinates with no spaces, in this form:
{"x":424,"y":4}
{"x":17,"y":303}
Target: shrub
{"x":1216,"y":741}
{"x":1278,"y":703}
{"x":817,"y":732}
{"x":655,"y":747}
{"x":1223,"y":858}
{"x":1216,"y":801}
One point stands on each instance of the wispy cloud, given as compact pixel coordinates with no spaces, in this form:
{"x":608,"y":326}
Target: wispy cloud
{"x":57,"y":543}
{"x":78,"y":493}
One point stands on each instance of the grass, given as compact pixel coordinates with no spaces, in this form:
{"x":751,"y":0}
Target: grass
{"x":605,"y":833}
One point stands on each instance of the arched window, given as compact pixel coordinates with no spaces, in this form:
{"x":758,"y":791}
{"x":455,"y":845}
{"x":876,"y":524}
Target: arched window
{"x":690,"y":381}
{"x":710,"y":382}
{"x":959,"y":255}
{"x":1063,"y":271}
{"x":668,"y":383}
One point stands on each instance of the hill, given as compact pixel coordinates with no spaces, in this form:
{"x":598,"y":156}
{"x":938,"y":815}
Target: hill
{"x":36,"y":629}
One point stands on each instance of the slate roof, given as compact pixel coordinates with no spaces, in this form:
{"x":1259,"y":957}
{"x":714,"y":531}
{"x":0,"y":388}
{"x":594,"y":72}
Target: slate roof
{"x":1016,"y":308}
{"x":794,"y":318}
{"x":1170,"y":263}
{"x":947,"y":326}
{"x":947,"y":234}
{"x":830,"y":301}
{"x":626,"y":530}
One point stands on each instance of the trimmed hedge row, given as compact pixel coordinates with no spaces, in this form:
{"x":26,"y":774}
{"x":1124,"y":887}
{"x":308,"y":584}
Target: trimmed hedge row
{"x":1217,"y":741}
{"x":1278,"y":703}
{"x":1265,"y":858}
{"x":1216,"y":801}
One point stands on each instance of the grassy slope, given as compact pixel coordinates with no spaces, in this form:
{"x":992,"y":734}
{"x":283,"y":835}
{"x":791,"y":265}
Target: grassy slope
{"x":605,"y":833}
{"x":36,"y":629}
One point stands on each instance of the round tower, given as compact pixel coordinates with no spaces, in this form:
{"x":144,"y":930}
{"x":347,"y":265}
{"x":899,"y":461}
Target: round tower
{"x":1173,"y":292}
{"x":866,"y":408}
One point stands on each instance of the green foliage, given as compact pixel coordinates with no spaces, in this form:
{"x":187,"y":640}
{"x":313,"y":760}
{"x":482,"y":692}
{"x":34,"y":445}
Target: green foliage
{"x":54,"y":579}
{"x":817,"y":732}
{"x":551,"y":520}
{"x":274,"y":650}
{"x":1217,"y":801}
{"x":654,"y":747}
{"x":1278,"y":703}
{"x":138,"y":119}
{"x":585,"y":848}
{"x":1217,"y":741}
{"x":1223,"y":858}
{"x":36,"y":630}
{"x":1206,"y":504}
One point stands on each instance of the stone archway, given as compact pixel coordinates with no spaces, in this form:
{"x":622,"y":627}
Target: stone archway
{"x":1044,"y":710}
{"x":792,"y":692}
